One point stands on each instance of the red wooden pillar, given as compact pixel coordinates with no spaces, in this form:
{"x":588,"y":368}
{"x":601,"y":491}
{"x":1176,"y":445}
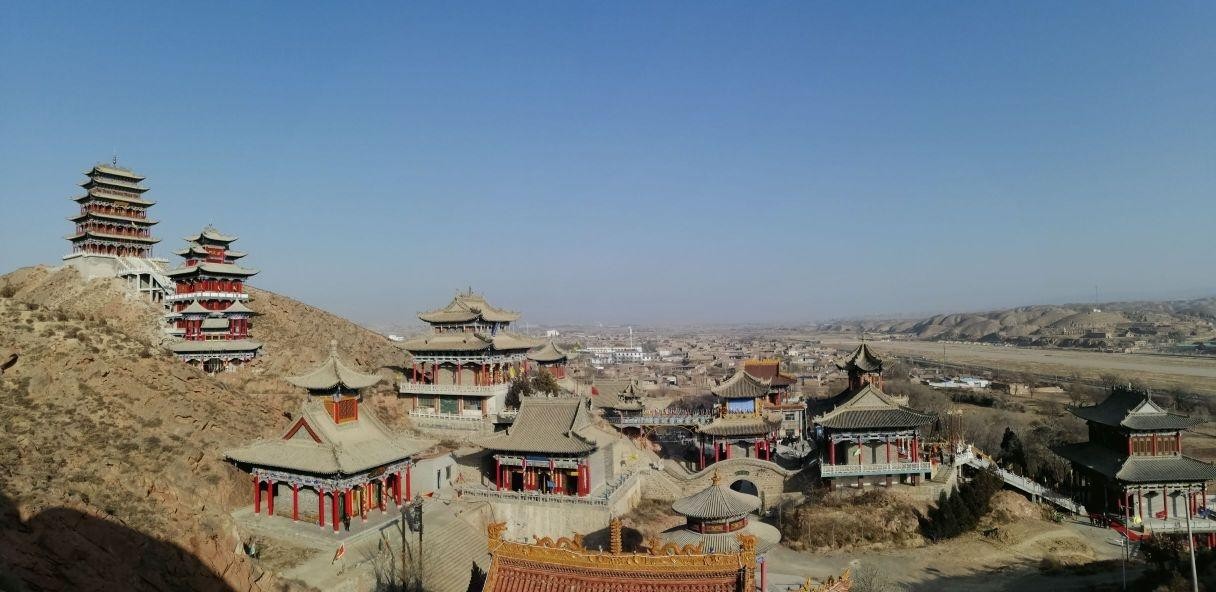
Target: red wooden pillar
{"x":383,"y":497}
{"x":717,"y":450}
{"x":397,"y":489}
{"x":831,"y":451}
{"x":728,"y":449}
{"x":257,"y":495}
{"x":1154,"y":444}
{"x":409,"y":481}
{"x":334,"y":498}
{"x":295,"y":502}
{"x":321,"y":508}
{"x":701,"y":451}
{"x":497,"y":475}
{"x":1165,"y":507}
{"x":1178,"y":443}
{"x":270,"y":498}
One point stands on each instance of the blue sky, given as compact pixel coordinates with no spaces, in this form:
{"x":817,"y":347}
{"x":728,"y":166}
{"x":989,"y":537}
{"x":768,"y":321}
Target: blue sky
{"x":637,"y":162}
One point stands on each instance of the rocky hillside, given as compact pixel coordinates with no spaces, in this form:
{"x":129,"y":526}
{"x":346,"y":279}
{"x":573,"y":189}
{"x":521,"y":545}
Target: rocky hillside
{"x":1095,"y":325}
{"x":111,"y":476}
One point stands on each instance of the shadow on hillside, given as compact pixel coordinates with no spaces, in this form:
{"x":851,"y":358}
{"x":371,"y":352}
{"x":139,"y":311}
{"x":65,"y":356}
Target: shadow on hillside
{"x":64,"y":549}
{"x":1028,"y":576}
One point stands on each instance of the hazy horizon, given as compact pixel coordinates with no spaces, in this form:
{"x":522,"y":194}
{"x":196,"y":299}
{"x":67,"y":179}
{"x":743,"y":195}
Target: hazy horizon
{"x":676,"y":164}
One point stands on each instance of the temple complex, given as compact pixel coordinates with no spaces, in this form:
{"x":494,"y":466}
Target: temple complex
{"x":780,"y":397}
{"x":867,"y":437}
{"x":566,"y":565}
{"x":550,"y":448}
{"x":207,"y":307}
{"x":744,"y":426}
{"x":1133,"y":465}
{"x":331,"y":458}
{"x":461,"y":372}
{"x":113,"y":235}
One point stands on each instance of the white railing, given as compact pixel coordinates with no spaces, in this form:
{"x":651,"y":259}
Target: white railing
{"x":651,"y":420}
{"x":1026,"y":484}
{"x":902,"y":468}
{"x":1176,"y":525}
{"x":417,"y":388}
{"x":208,"y":296}
{"x":423,"y":414}
{"x":605,"y":497}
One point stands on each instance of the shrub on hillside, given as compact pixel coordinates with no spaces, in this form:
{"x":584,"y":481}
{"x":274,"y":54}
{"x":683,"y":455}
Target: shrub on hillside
{"x":961,"y":511}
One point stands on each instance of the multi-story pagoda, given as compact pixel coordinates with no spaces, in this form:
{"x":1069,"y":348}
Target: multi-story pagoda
{"x":868,"y":437}
{"x":113,"y":236}
{"x":743,"y":424}
{"x":113,"y":218}
{"x":461,"y":371}
{"x":550,"y":448}
{"x":1133,"y":464}
{"x":780,"y":397}
{"x":207,"y":308}
{"x":331,"y":458}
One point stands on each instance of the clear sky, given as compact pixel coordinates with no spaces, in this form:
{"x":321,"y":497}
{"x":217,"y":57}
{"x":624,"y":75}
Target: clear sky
{"x":636,"y":163}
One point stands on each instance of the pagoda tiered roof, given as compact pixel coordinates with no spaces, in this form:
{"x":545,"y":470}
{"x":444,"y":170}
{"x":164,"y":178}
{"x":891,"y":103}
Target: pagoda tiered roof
{"x":193,"y":248}
{"x":743,"y":424}
{"x":97,"y":193}
{"x":333,"y":373}
{"x":547,"y":426}
{"x":716,"y":502}
{"x":1136,"y":468}
{"x":720,"y":504}
{"x":97,"y":180}
{"x":137,"y":220}
{"x":215,"y":345}
{"x":115,"y":171}
{"x":315,"y":444}
{"x":862,"y":360}
{"x":741,"y":386}
{"x":870,"y":408}
{"x":1134,"y":410}
{"x":467,"y":307}
{"x":449,"y":342}
{"x":622,"y":395}
{"x":119,"y":237}
{"x":209,"y":233}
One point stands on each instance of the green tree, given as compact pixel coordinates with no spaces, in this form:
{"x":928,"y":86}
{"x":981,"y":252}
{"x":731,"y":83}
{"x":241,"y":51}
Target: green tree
{"x":544,"y":383}
{"x":520,"y":387}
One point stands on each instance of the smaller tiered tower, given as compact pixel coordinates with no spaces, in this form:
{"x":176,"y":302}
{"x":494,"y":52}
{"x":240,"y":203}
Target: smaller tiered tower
{"x":207,"y":307}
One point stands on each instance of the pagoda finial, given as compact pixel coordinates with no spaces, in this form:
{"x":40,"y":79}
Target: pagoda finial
{"x":115,"y":159}
{"x":614,"y":538}
{"x":717,"y":478}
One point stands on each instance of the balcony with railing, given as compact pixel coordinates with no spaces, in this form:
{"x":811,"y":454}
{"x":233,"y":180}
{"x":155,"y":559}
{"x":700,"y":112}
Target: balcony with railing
{"x":858,"y":470}
{"x":470,"y":390}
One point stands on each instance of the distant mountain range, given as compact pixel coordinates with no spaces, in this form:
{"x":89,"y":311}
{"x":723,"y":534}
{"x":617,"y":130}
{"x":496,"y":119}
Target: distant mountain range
{"x":1112,"y":323}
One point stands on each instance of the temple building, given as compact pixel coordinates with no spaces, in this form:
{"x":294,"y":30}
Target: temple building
{"x":744,"y":425}
{"x":113,"y":235}
{"x":566,"y":565}
{"x":331,"y":459}
{"x":207,"y":308}
{"x":780,"y":397}
{"x":552,"y":447}
{"x":617,"y":399}
{"x":552,"y":359}
{"x":867,"y":437}
{"x":1133,"y":464}
{"x":462,"y":370}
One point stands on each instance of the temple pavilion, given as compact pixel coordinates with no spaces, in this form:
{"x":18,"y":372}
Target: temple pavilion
{"x":1133,"y":464}
{"x":715,"y":516}
{"x":552,"y":447}
{"x":207,"y":308}
{"x":462,"y":370}
{"x":617,"y":399}
{"x":780,"y":398}
{"x":113,"y":218}
{"x":744,"y":426}
{"x":867,"y":437}
{"x":552,"y":359}
{"x":331,"y":458}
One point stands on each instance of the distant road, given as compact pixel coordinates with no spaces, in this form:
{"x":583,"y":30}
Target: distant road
{"x":1195,"y":373}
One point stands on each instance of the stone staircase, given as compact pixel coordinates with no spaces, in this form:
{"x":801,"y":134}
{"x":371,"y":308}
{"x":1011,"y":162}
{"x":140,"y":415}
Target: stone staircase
{"x":451,"y":546}
{"x":1036,"y":490}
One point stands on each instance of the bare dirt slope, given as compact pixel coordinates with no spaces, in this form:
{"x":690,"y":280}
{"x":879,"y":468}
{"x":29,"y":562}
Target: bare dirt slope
{"x":111,"y":475}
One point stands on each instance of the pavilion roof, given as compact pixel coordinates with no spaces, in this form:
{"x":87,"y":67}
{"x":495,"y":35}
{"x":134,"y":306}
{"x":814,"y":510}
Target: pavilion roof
{"x":196,"y":308}
{"x":618,"y":394}
{"x":766,"y":535}
{"x":315,"y":444}
{"x":862,"y":359}
{"x":121,"y":237}
{"x":869,"y":407}
{"x":1135,"y":410}
{"x":238,"y":307}
{"x":716,"y":502}
{"x":742,"y":424}
{"x":741,"y":386}
{"x":448,"y":342}
{"x":115,"y":170}
{"x":546,"y":426}
{"x":466,"y":307}
{"x":132,"y":185}
{"x":333,"y":373}
{"x":194,"y":248}
{"x":549,"y":352}
{"x":565,"y":565}
{"x":94,"y":194}
{"x":506,"y":340}
{"x":209,"y":233}
{"x":1136,"y":469}
{"x":216,"y":268}
{"x":214,"y":323}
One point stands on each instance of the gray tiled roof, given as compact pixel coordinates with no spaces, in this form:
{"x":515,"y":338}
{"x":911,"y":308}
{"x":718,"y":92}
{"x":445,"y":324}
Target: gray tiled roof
{"x":215,"y":345}
{"x":1134,"y":410}
{"x":210,"y":233}
{"x":549,"y":352}
{"x":1136,"y":469}
{"x":767,"y":537}
{"x":741,"y":386}
{"x":546,"y":426}
{"x":332,"y":373}
{"x":869,"y":407}
{"x":862,"y":360}
{"x":220,"y":268}
{"x":466,"y":307}
{"x":461,"y":342}
{"x":743,"y":425}
{"x":716,"y":502}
